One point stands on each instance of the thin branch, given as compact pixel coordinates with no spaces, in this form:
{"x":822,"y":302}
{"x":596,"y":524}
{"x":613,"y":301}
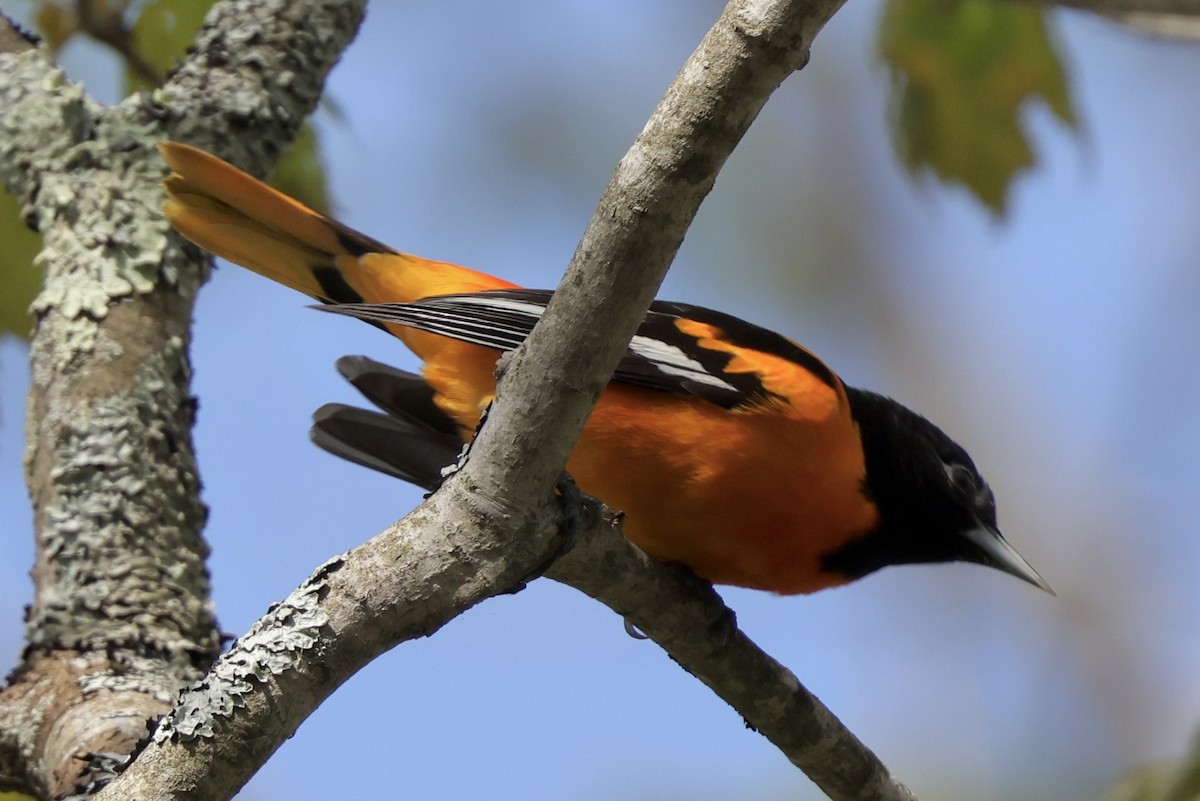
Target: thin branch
{"x":685,"y":616}
{"x":1167,"y":19}
{"x":13,"y":39}
{"x":417,"y":576}
{"x":1187,"y":8}
{"x":1177,"y":27}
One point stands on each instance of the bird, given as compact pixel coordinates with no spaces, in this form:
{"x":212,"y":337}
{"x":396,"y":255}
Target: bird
{"x":728,"y":448}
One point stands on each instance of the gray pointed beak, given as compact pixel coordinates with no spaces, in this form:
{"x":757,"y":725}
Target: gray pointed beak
{"x":999,"y":554}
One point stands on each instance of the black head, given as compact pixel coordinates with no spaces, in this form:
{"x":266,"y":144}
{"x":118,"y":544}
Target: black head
{"x":933,"y":504}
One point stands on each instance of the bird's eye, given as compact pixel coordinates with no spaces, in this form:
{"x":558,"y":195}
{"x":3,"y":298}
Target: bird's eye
{"x":962,"y":479}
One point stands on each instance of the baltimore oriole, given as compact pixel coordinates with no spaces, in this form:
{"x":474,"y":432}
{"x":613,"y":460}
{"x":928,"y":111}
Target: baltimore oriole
{"x":730,"y":448}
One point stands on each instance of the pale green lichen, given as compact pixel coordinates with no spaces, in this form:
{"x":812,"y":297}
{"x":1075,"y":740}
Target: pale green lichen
{"x":276,"y":643}
{"x":89,"y":180}
{"x":120,"y":533}
{"x":142,"y":676}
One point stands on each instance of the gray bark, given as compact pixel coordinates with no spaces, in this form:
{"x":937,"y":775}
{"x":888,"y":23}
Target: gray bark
{"x":121,"y":618}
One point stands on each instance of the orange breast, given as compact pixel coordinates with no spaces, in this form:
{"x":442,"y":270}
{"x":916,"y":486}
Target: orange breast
{"x":751,"y":498}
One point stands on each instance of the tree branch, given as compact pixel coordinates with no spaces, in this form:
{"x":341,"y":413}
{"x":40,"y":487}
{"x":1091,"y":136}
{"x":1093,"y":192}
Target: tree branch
{"x":13,"y":39}
{"x":1173,"y":19}
{"x":485,"y":529}
{"x":402,"y":584}
{"x":552,"y":381}
{"x":1188,"y":8}
{"x":120,"y":618}
{"x":685,"y":616}
{"x":555,"y":377}
{"x":1179,"y":27}
{"x":120,"y":607}
{"x":254,"y":75}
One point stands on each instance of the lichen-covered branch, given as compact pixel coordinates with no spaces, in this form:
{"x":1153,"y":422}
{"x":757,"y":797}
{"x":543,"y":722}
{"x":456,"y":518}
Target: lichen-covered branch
{"x":455,"y":550}
{"x":120,"y":605}
{"x":255,"y":74}
{"x":120,"y":618}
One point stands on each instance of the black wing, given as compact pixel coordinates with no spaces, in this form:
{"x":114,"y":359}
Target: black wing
{"x":662,"y":355}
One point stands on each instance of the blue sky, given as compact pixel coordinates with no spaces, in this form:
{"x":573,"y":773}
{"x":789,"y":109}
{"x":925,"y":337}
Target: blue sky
{"x":1059,"y":345}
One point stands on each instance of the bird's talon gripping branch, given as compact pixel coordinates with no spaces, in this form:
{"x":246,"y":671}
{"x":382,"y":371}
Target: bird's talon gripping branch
{"x":576,"y":511}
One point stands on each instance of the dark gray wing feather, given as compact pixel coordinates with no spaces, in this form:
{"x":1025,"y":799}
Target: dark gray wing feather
{"x":413,"y":441}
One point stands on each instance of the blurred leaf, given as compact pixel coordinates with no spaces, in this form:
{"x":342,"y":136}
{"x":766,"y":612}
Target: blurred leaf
{"x":16,"y":797}
{"x":300,"y":172}
{"x":161,"y":35}
{"x":961,"y":72}
{"x":1147,"y":783}
{"x":56,"y":25}
{"x":1161,"y":781}
{"x":20,"y":280}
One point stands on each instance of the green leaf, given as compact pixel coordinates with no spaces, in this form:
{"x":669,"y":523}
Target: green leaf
{"x":961,"y":72}
{"x":1147,"y":783}
{"x":1161,"y":781}
{"x":161,"y":35}
{"x":20,"y":280}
